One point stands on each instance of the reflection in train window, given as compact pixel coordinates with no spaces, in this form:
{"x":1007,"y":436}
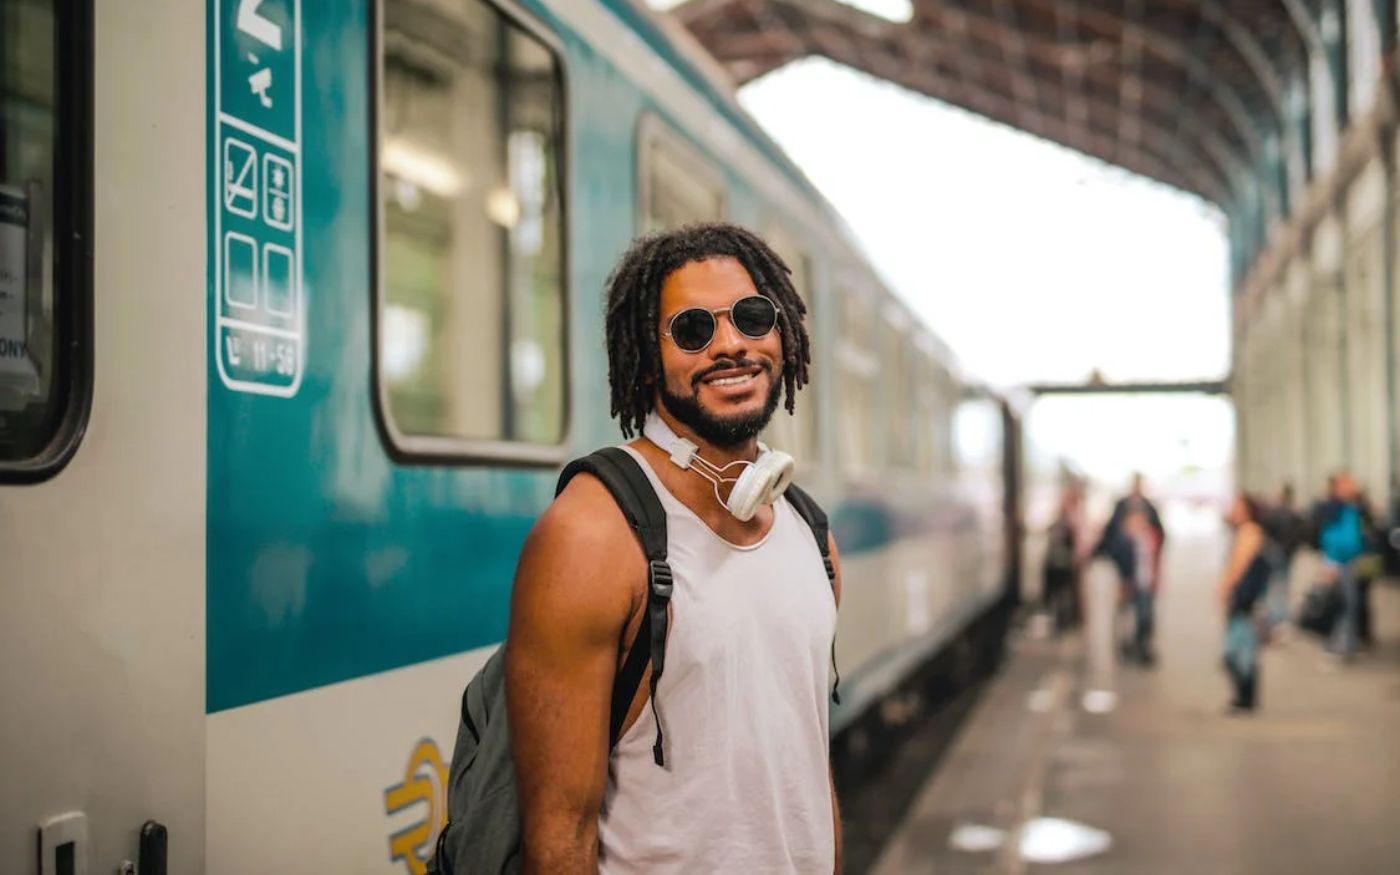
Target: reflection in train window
{"x":471,"y":320}
{"x":45,"y":170}
{"x":678,"y":185}
{"x":796,"y":433}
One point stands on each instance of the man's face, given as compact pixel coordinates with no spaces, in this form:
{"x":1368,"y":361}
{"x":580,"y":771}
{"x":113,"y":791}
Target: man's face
{"x":1345,"y":487}
{"x":727,"y":391}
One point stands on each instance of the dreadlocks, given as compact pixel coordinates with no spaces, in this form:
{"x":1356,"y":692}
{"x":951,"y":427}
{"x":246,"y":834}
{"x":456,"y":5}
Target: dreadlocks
{"x":634,"y":299}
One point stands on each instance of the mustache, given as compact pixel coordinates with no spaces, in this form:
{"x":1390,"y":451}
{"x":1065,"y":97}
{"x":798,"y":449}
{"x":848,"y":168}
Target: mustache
{"x":729,"y":365}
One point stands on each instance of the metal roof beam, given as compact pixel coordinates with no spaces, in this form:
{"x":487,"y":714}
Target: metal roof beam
{"x":1175,"y":52}
{"x":1253,"y":53}
{"x":1130,"y":87}
{"x":943,"y":40}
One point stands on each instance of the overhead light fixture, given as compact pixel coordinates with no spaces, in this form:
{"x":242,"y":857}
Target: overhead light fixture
{"x":425,"y":169}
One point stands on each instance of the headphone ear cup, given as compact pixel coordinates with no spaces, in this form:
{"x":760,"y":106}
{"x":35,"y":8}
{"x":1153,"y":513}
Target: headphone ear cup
{"x":760,"y":484}
{"x":747,"y":494}
{"x":782,"y":466}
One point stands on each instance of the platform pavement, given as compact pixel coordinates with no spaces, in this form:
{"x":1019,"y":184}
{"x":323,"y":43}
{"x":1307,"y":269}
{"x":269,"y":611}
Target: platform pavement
{"x":1311,"y":783}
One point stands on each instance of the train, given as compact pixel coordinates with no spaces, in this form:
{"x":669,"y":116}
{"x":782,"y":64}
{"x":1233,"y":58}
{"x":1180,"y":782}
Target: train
{"x":301,"y":317}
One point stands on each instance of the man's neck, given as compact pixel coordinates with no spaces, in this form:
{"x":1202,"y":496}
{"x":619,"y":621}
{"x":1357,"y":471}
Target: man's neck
{"x":747,"y":451}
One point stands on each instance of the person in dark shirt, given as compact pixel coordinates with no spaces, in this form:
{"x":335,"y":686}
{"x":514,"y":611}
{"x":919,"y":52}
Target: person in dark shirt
{"x":1124,"y":548}
{"x":1284,"y":530}
{"x":1338,"y":527}
{"x":1060,"y":582}
{"x":1245,"y":579}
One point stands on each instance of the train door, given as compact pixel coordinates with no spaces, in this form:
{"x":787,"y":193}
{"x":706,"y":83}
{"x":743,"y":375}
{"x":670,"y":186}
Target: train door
{"x":102,"y":434}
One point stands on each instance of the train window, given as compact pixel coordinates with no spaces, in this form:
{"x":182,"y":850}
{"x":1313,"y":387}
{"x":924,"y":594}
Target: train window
{"x":858,"y":388}
{"x":677,"y":184}
{"x":45,"y":233}
{"x":898,"y":350}
{"x":796,"y":433}
{"x":471,"y":335}
{"x":939,"y":399}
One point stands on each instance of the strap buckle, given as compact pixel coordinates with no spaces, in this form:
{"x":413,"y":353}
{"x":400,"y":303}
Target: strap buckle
{"x":660,"y":579}
{"x":830,"y":569}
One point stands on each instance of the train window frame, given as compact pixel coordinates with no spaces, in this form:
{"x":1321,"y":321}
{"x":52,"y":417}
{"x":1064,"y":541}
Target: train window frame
{"x":653,"y":131}
{"x":72,"y":258}
{"x":440,"y":450}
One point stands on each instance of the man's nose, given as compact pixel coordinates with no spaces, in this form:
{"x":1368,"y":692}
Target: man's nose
{"x":729,"y":342}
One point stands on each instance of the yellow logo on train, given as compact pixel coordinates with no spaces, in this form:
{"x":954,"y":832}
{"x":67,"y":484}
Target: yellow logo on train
{"x":424,"y":784}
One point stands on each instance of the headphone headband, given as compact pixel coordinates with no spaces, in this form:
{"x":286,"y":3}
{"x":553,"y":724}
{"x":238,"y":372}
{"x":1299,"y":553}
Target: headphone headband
{"x":761,"y":482}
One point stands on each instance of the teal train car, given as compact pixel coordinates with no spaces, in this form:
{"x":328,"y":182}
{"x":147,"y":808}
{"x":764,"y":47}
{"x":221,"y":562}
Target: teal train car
{"x":300,"y":315}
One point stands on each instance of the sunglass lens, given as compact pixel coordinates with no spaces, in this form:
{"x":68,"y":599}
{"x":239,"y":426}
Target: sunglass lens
{"x":754,"y":316}
{"x":692,"y":329}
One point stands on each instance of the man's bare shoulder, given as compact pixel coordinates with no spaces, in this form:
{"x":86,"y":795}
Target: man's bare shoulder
{"x":583,"y":537}
{"x":585,"y":512}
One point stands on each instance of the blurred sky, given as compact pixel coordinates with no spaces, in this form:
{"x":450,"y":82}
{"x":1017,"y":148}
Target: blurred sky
{"x":1033,"y":262}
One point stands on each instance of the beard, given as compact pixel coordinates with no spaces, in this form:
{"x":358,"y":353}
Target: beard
{"x":721,"y":431}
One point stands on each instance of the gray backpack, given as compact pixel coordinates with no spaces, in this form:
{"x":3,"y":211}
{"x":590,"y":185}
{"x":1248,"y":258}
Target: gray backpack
{"x":482,"y":835}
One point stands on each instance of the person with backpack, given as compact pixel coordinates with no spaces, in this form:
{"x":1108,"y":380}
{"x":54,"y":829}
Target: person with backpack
{"x":1133,"y":538}
{"x":1244,"y":581}
{"x":666,"y":669}
{"x":1284,"y":531}
{"x":1340,"y":524}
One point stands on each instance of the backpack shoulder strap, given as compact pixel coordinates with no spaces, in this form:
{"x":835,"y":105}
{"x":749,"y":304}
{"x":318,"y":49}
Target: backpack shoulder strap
{"x":633,"y":492}
{"x":815,"y":517}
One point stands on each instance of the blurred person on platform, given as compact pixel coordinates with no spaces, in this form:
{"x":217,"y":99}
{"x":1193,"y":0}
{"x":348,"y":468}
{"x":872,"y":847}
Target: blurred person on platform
{"x":1369,"y":566}
{"x":1339,"y":522}
{"x":1144,"y":546}
{"x":1060,"y":580}
{"x":1390,"y":543}
{"x":1245,"y":580}
{"x":1284,"y":530}
{"x":1136,"y":549}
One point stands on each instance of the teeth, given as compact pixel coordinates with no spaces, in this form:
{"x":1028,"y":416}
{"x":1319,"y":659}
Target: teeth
{"x":732,"y":381}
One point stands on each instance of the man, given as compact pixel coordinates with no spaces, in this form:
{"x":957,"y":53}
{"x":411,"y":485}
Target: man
{"x":746,"y":785}
{"x":1283,"y":527}
{"x":1133,"y":538}
{"x":1340,"y":526}
{"x":1060,"y":578}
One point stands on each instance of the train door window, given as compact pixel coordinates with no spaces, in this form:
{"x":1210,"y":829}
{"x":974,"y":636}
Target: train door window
{"x":471,"y":338}
{"x":676,"y":183}
{"x":45,"y":233}
{"x":797,"y":432}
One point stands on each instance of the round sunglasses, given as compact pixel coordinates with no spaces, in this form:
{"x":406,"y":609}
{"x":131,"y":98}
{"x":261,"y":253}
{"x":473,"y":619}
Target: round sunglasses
{"x":694,"y":328}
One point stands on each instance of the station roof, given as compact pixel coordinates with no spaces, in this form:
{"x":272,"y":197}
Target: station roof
{"x":1186,"y":92}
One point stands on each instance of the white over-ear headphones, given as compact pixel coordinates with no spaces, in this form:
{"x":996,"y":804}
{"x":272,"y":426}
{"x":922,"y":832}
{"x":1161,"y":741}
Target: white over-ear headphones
{"x":760,"y":482}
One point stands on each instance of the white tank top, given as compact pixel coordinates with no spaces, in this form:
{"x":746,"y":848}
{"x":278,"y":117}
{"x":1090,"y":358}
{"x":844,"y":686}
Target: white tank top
{"x":743,"y":702}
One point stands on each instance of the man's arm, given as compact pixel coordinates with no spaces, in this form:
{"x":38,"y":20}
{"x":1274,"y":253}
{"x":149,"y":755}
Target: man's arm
{"x":1155,"y":519}
{"x":578,"y":582}
{"x":835,"y":805}
{"x":1104,"y":545}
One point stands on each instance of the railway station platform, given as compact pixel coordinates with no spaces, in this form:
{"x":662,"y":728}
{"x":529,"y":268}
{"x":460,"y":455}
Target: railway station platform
{"x":1167,"y":782}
